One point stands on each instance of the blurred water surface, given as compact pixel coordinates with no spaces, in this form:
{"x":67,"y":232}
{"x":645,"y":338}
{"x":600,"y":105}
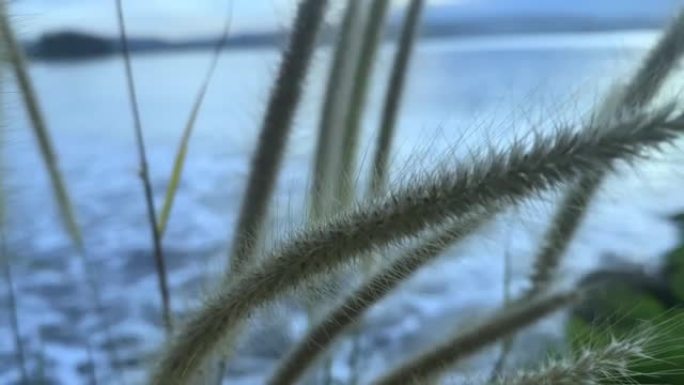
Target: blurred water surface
{"x":463,"y":94}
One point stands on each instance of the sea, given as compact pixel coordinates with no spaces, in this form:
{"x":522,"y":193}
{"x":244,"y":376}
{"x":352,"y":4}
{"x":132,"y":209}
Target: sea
{"x":464,"y":96}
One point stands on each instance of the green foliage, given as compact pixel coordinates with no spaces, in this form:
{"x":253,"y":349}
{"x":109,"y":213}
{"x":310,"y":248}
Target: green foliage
{"x":182,"y":152}
{"x":675,"y":271}
{"x":623,"y":307}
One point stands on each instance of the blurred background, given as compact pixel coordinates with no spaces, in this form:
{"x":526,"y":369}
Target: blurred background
{"x":484,"y":71}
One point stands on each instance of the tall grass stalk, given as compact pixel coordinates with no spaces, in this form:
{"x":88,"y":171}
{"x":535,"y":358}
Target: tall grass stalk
{"x":19,"y":66}
{"x":638,"y":93}
{"x":432,"y":363}
{"x":13,"y":313}
{"x":567,"y":219}
{"x":144,"y":175}
{"x":393,"y":96}
{"x":385,"y":135}
{"x":275,"y":130}
{"x":181,"y":153}
{"x":372,"y":36}
{"x":501,"y":178}
{"x":349,"y":311}
{"x":336,"y":99}
{"x":40,"y":130}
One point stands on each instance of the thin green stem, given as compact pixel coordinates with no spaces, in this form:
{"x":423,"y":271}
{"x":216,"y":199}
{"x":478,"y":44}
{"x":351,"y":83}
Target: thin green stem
{"x":181,"y":153}
{"x":144,"y":175}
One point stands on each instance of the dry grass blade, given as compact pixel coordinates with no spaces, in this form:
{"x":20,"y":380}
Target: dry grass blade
{"x":27,"y":91}
{"x":144,"y":175}
{"x":282,"y":104}
{"x":372,"y":36}
{"x":431,"y":364}
{"x":181,"y":153}
{"x":503,"y":177}
{"x":393,"y":96}
{"x":377,"y":287}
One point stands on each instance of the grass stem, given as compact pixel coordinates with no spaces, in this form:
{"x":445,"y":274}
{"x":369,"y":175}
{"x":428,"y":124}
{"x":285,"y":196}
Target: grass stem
{"x":144,"y":175}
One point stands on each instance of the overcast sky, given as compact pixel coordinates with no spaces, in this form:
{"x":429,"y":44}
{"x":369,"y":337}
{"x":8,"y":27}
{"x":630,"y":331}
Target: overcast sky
{"x":162,"y":18}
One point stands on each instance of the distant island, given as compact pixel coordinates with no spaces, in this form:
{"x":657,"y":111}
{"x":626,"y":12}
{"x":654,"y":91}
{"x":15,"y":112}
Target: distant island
{"x":74,"y":45}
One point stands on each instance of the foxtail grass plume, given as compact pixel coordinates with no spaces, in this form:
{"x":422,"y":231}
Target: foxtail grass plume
{"x":334,"y":104}
{"x":393,"y":96}
{"x":321,"y":336}
{"x":430,"y":364}
{"x":638,"y":93}
{"x":372,"y":36}
{"x":502,"y":178}
{"x":275,"y":130}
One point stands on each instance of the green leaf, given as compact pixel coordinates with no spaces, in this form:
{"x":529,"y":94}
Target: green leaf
{"x":181,"y":154}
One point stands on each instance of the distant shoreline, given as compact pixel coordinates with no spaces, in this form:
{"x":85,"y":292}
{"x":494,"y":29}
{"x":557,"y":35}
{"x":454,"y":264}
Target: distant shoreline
{"x":75,"y":45}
